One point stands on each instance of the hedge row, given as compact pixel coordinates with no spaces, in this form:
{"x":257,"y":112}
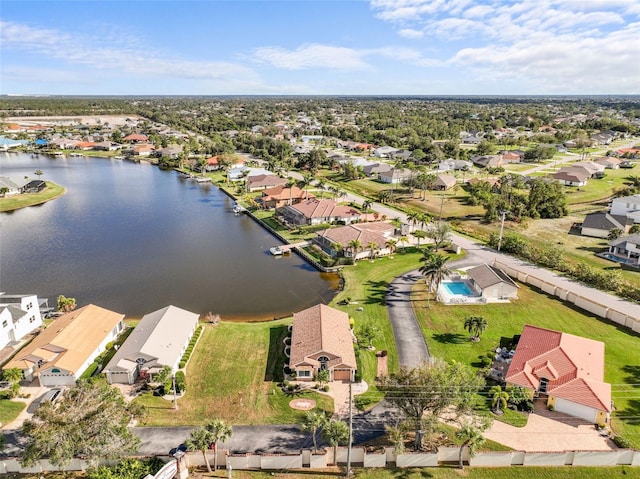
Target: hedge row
{"x":189,"y":350}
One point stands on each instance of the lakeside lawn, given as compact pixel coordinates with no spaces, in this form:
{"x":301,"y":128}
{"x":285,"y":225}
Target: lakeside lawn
{"x":15,"y":202}
{"x":443,"y":329}
{"x":233,"y":374}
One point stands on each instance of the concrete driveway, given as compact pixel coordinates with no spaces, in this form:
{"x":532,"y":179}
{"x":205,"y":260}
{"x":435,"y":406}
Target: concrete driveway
{"x":548,"y":431}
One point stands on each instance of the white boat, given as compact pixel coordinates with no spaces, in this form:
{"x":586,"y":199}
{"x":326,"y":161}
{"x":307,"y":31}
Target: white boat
{"x":203,"y":179}
{"x":276,"y":251}
{"x":118,"y":157}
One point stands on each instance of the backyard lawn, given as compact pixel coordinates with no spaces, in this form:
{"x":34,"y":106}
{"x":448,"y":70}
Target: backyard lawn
{"x":9,"y":410}
{"x":233,"y":374}
{"x":443,"y":329}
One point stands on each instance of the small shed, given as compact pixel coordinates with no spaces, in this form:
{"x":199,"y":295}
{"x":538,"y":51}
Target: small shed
{"x":494,"y":283}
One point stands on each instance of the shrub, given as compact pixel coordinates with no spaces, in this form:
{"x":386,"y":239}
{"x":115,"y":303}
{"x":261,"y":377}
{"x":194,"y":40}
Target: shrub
{"x":182,"y":364}
{"x":325,"y":389}
{"x":621,"y":442}
{"x":181,"y":381}
{"x":485,"y":361}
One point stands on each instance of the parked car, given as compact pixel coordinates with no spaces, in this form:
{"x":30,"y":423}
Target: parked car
{"x":52,"y":396}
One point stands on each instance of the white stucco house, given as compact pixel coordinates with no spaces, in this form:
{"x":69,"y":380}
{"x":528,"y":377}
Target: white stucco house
{"x":160,"y":339}
{"x":627,"y":206}
{"x":19,"y":316}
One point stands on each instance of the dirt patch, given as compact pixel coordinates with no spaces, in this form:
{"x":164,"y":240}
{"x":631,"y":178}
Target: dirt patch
{"x":302,"y":404}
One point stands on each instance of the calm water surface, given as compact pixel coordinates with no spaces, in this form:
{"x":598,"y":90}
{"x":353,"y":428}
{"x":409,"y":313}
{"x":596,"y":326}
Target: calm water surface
{"x":132,"y":238}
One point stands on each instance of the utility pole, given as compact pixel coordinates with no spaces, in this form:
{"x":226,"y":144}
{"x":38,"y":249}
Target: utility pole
{"x":350,"y":432}
{"x":504,"y":214}
{"x":175,"y":393}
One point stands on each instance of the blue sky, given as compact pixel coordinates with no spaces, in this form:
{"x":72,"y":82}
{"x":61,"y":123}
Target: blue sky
{"x":330,"y":47}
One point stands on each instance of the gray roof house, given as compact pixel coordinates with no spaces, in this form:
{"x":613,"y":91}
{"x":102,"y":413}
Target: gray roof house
{"x":494,"y":283}
{"x":598,"y":225}
{"x":159,"y":340}
{"x":627,"y":247}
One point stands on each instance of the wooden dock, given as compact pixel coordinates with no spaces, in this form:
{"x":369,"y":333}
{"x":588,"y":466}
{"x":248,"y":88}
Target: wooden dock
{"x":286,"y":248}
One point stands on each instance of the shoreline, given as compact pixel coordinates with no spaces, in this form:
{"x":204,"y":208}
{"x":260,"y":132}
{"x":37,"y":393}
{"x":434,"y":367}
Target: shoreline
{"x":36,"y":201}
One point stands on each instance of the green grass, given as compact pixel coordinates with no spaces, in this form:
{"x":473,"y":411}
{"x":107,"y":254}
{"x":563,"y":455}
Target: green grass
{"x":9,"y":410}
{"x":443,"y":328}
{"x":233,"y":374}
{"x":15,"y":202}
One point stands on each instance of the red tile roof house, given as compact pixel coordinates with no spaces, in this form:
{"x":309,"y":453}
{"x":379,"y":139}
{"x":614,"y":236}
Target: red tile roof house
{"x":336,"y":240}
{"x":262,"y":182}
{"x":136,"y":138}
{"x":282,"y":196}
{"x":568,"y":370}
{"x":321,"y":338}
{"x":316,"y":212}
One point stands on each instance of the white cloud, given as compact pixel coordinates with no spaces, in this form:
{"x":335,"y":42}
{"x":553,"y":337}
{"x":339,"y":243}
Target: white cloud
{"x":127,"y":57}
{"x":312,"y":56}
{"x":478,"y":11}
{"x":410,"y":33}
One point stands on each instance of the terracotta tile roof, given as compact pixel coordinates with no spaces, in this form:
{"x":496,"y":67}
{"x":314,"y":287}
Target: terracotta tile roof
{"x":324,"y":208}
{"x":136,"y":137}
{"x":573,"y":365}
{"x":283,"y":193}
{"x":75,"y":335}
{"x":321,"y":331}
{"x":366,"y":233}
{"x":265,"y":180}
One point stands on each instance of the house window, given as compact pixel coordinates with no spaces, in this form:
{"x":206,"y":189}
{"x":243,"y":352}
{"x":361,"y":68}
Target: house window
{"x":304,"y":374}
{"x":323,"y":360}
{"x":55,"y":370}
{"x":4,"y":323}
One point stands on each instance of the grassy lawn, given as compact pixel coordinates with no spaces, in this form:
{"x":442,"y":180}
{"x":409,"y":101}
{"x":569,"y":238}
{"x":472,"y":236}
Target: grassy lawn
{"x":30,"y":199}
{"x":233,"y":374}
{"x":597,"y":190}
{"x":443,"y":328}
{"x":9,"y":410}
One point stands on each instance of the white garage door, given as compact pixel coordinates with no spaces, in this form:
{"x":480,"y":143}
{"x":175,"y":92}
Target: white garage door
{"x":577,"y":410}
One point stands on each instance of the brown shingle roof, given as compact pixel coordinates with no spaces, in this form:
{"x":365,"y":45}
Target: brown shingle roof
{"x":321,"y":330}
{"x":573,"y":365}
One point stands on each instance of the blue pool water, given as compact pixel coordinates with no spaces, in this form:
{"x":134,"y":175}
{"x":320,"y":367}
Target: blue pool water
{"x":457,"y":287}
{"x":618,"y":259}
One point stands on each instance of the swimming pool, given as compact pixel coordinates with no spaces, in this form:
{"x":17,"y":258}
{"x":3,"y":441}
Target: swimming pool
{"x":619,"y":259}
{"x":459,"y":288}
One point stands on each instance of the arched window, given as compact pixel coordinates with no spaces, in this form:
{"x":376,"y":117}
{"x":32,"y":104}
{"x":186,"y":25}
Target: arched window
{"x":55,"y":370}
{"x":323,"y":360}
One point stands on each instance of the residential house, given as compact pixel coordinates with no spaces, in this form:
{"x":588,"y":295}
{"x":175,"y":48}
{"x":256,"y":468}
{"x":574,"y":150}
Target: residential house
{"x":241,"y":172}
{"x":402,"y":155}
{"x":603,"y":138}
{"x":569,"y":177}
{"x":160,"y":339}
{"x":375,"y":169}
{"x":395,"y":176}
{"x":444,"y":182}
{"x":454,"y":165}
{"x":599,"y":225}
{"x":316,"y":211}
{"x":565,"y":369}
{"x":595,"y":170}
{"x":627,"y":247}
{"x":12,"y":186}
{"x":321,"y":339}
{"x":171,"y":151}
{"x":609,"y":162}
{"x":282,"y":196}
{"x":64,"y":350}
{"x":262,"y":182}
{"x":626,"y":206}
{"x":489,"y":161}
{"x":34,"y":186}
{"x":384,"y":152}
{"x":136,"y":138}
{"x":143,"y":150}
{"x":335,"y":241}
{"x":494,"y":283}
{"x":19,"y":316}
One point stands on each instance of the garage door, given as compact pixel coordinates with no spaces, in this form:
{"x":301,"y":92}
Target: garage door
{"x":577,"y":410}
{"x":341,"y":375}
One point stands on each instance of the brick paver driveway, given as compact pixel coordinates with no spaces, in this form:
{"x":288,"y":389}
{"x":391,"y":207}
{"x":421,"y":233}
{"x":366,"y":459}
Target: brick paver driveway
{"x":550,"y":431}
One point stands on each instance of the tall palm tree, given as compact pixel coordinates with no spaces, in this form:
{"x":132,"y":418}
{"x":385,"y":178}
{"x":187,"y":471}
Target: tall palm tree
{"x":200,"y":440}
{"x":434,"y":268}
{"x":290,"y":184}
{"x":372,"y":246}
{"x":498,"y":398}
{"x":335,"y":433}
{"x":219,"y":431}
{"x":419,"y":234}
{"x":476,"y":326}
{"x":413,"y":216}
{"x":391,"y":244}
{"x":312,"y":421}
{"x":366,"y":205}
{"x":305,"y":182}
{"x":354,"y":246}
{"x":403,"y":240}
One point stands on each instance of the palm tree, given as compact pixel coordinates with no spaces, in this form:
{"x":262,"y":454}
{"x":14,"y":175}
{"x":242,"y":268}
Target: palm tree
{"x":218,"y":431}
{"x":498,"y":398}
{"x":413,"y":216}
{"x":335,"y":433}
{"x":200,"y":440}
{"x":372,"y":246}
{"x":614,"y":234}
{"x":39,"y":173}
{"x":471,"y":436}
{"x":305,"y":182}
{"x":419,"y":234}
{"x":476,"y":326}
{"x":391,"y":244}
{"x":312,"y":421}
{"x":354,"y":246}
{"x":434,"y":268}
{"x":366,"y":206}
{"x":403,"y":240}
{"x":290,"y":184}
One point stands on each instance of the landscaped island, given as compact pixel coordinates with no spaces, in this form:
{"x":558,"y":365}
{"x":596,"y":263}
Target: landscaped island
{"x":23,"y":200}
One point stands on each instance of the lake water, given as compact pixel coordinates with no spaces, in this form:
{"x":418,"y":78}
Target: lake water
{"x":133,"y":238}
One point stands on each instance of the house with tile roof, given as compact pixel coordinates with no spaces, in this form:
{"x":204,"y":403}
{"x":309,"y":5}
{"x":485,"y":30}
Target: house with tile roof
{"x":64,"y":350}
{"x":321,"y":338}
{"x":282,"y":196}
{"x":19,"y":316}
{"x":262,"y":182}
{"x":316,"y":211}
{"x":160,"y":339}
{"x":136,"y":138}
{"x":565,"y":369}
{"x":493,"y":283}
{"x":335,"y":241}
